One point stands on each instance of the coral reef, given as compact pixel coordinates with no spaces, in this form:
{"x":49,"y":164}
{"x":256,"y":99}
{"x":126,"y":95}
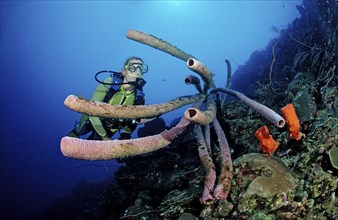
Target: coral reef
{"x":202,"y":113}
{"x":267,"y":181}
{"x":298,"y":182}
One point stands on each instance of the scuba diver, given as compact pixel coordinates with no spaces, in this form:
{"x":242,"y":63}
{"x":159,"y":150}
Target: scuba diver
{"x":120,"y":88}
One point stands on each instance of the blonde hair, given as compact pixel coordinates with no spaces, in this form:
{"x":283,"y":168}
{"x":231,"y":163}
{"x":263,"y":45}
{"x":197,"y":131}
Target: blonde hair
{"x":131,"y":58}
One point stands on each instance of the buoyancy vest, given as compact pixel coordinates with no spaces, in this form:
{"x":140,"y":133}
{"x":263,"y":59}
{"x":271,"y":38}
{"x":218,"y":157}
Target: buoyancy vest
{"x":113,"y":95}
{"x":116,"y":86}
{"x":104,"y":93}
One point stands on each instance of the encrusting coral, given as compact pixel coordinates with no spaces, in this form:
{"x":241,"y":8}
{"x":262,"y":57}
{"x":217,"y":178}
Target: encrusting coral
{"x":203,"y":113}
{"x":272,"y":178}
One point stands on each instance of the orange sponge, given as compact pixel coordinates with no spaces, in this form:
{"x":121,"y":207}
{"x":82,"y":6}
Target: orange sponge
{"x":292,"y":121}
{"x":267,"y":143}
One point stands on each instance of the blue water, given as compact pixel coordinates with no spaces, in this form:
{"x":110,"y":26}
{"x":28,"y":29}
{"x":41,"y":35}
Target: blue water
{"x":50,"y":50}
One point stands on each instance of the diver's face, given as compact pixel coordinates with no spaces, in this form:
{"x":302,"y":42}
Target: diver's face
{"x":132,"y":70}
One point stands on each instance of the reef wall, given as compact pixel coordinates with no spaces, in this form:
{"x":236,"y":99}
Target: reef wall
{"x":168,"y":183}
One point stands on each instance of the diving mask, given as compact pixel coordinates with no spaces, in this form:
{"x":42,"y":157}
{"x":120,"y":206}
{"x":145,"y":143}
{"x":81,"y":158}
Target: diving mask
{"x":132,"y":67}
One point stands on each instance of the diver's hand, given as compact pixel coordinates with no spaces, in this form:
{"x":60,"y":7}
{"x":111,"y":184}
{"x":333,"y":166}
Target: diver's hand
{"x":105,"y":138}
{"x":145,"y":120}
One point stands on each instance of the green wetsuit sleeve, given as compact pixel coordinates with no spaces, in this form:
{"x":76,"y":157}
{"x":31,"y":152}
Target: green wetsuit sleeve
{"x":98,"y":95}
{"x":101,"y":90}
{"x":97,"y":125}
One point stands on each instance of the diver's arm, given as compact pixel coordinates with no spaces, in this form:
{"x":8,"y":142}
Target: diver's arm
{"x":98,"y":126}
